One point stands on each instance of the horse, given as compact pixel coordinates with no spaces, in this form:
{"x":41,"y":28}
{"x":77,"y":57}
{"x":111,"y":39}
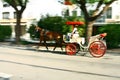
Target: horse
{"x":46,"y":35}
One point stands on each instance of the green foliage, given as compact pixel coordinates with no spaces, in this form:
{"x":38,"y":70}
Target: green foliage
{"x":113,"y":34}
{"x":33,"y":33}
{"x":89,"y":1}
{"x":53,"y":23}
{"x":56,"y":24}
{"x":5,"y":32}
{"x":15,"y":3}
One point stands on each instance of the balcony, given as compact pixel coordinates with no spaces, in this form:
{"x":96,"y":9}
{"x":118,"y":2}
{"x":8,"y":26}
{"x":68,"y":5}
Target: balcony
{"x":12,"y":22}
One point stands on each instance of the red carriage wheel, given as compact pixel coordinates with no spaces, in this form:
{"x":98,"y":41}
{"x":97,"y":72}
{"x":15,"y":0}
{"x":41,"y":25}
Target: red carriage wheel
{"x":97,"y":49}
{"x":70,"y":49}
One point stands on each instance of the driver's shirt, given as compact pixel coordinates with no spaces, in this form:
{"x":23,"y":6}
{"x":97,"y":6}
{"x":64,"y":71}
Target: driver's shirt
{"x":75,"y":33}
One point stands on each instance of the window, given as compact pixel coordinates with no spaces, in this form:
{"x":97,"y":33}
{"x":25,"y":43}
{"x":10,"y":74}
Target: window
{"x":6,"y":15}
{"x":15,"y":15}
{"x":5,"y":4}
{"x":74,"y":13}
{"x":117,"y":17}
{"x":65,"y":12}
{"x":109,"y":13}
{"x":101,"y":18}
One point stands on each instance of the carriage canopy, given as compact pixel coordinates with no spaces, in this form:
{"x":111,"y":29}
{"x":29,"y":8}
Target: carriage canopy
{"x":74,"y":23}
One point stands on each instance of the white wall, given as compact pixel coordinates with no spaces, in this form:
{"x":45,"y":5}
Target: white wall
{"x":116,"y":10}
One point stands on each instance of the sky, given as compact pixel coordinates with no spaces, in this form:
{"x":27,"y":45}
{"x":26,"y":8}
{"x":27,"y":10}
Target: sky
{"x":36,"y":8}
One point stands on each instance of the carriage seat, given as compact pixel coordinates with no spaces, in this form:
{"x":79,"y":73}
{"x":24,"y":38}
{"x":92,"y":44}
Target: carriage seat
{"x":78,"y":40}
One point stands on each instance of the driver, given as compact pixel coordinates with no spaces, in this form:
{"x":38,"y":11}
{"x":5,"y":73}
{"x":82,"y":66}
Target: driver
{"x":75,"y":33}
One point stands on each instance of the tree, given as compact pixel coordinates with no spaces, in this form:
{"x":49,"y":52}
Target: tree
{"x":90,"y":17}
{"x":58,"y":23}
{"x":19,"y":6}
{"x":52,"y":23}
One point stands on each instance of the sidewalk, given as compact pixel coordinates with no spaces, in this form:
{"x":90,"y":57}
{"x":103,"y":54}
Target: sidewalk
{"x":117,"y":51}
{"x":31,"y":46}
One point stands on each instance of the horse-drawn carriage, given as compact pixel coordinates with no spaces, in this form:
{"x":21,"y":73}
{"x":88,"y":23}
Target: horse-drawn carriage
{"x":96,"y":45}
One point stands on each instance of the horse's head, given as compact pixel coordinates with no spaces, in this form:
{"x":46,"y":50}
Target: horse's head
{"x":38,"y":28}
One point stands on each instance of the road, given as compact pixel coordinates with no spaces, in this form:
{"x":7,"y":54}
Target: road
{"x":29,"y":64}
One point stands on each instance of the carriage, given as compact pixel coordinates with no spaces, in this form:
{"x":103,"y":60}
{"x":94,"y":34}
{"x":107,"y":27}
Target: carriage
{"x":96,"y":46}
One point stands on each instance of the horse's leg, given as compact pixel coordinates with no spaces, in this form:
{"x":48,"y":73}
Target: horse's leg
{"x":60,"y":44}
{"x":55,"y":46}
{"x":61,"y":47}
{"x":39,"y":45}
{"x":45,"y":44}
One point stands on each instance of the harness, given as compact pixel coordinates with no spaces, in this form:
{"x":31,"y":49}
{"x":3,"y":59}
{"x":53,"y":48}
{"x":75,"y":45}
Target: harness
{"x":44,"y":32}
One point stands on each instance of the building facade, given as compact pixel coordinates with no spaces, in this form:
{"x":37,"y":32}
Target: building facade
{"x":111,"y":15}
{"x":8,"y":17}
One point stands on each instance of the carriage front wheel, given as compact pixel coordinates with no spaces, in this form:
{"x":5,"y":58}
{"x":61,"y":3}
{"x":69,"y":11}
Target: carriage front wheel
{"x":97,"y":49}
{"x":71,"y":49}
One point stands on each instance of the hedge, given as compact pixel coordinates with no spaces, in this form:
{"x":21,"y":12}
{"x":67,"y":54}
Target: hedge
{"x":5,"y":32}
{"x":113,"y":34}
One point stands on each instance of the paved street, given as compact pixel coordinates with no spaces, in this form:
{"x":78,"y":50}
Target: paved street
{"x":25,"y":63}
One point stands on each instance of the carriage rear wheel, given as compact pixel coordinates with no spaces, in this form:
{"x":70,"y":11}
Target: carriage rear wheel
{"x":71,"y":49}
{"x":97,"y":49}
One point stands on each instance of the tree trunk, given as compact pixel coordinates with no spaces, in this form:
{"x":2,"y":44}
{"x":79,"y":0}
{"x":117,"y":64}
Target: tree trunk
{"x":18,"y":28}
{"x":89,"y":30}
